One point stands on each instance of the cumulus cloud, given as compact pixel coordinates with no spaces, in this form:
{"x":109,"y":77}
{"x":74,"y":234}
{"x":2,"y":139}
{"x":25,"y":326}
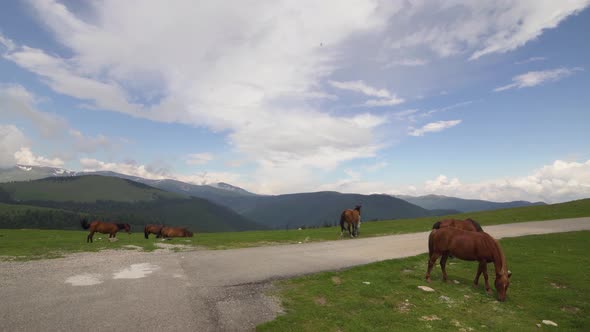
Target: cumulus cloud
{"x":534,"y":78}
{"x":147,"y":172}
{"x":17,"y":102}
{"x":559,"y":182}
{"x":253,"y":72}
{"x":25,"y":156}
{"x":386,"y":98}
{"x":433,"y":127}
{"x":11,"y":141}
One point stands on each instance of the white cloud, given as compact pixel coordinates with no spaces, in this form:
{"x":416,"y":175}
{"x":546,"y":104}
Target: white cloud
{"x":11,"y":141}
{"x":361,"y":87}
{"x":531,"y":59}
{"x":25,"y":156}
{"x":386,"y":98}
{"x":147,"y":172}
{"x":226,"y":67}
{"x":559,"y":182}
{"x":199,"y":158}
{"x":17,"y":102}
{"x":408,"y":62}
{"x":89,"y":144}
{"x":7,"y":43}
{"x":384,"y":102}
{"x":433,"y":127}
{"x":476,"y":27}
{"x":534,"y":78}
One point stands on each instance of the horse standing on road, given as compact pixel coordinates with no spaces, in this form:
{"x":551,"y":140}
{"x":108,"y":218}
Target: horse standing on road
{"x":352,"y":218}
{"x":469,"y":246}
{"x":104,"y":228}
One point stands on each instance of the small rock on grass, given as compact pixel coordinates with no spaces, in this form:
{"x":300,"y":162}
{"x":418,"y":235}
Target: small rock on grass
{"x":426,"y":288}
{"x":549,"y":322}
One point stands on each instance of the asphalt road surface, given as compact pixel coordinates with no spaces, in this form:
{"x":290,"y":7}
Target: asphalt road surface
{"x":203,"y":290}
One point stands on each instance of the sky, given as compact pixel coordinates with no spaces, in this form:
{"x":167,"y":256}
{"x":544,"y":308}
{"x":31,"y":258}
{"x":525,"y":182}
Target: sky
{"x":472,"y":99}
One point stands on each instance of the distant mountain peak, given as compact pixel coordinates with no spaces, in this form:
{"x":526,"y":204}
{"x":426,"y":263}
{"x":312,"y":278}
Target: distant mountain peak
{"x":228,"y":187}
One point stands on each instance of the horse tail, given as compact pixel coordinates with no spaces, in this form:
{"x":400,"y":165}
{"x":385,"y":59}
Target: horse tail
{"x":146,"y":233}
{"x":342,"y":219}
{"x":436,"y":225}
{"x":84,"y":223}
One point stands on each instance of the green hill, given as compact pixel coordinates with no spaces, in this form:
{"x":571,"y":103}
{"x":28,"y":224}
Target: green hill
{"x":88,"y":188}
{"x":324,"y":208}
{"x":111,"y":199}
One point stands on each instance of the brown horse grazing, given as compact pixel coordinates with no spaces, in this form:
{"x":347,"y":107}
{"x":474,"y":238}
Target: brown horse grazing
{"x":353,"y":219}
{"x":469,"y":246}
{"x":466,"y":225}
{"x":175,"y":232}
{"x":104,"y":228}
{"x":152,"y":229}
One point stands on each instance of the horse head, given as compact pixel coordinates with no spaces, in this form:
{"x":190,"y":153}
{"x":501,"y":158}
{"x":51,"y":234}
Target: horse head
{"x":502,"y":282}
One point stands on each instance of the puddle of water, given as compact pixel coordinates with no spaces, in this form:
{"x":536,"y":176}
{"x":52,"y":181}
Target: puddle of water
{"x":136,"y":271}
{"x":86,"y":279}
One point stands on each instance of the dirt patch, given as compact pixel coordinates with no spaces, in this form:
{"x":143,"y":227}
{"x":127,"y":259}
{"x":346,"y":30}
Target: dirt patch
{"x":336,"y":280}
{"x":557,"y":285}
{"x":570,"y":309}
{"x":430,"y":318}
{"x":404,"y":307}
{"x":320,"y":301}
{"x":174,"y":247}
{"x":131,"y":246}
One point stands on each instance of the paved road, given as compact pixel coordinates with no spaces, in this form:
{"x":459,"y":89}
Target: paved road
{"x":190,"y":291}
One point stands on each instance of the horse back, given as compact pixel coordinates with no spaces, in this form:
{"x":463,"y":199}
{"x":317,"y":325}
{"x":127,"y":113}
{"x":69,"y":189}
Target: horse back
{"x":465,"y":245}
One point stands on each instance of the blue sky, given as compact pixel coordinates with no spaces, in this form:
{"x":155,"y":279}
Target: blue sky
{"x":484,"y":99}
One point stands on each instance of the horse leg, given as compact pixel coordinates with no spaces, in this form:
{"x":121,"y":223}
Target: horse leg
{"x":485,"y":277}
{"x":443,"y":265}
{"x":350,"y":230}
{"x":89,"y":237}
{"x":480,"y":268}
{"x":431,"y":261}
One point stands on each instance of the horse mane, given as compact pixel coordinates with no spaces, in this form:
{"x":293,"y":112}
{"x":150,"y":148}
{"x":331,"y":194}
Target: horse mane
{"x":475,"y":224}
{"x":121,"y":226}
{"x":358,"y":208}
{"x":436,"y":225}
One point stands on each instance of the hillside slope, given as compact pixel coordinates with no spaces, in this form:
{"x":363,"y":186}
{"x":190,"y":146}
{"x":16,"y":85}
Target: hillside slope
{"x":324,"y":208}
{"x":432,"y":202}
{"x":122,"y":200}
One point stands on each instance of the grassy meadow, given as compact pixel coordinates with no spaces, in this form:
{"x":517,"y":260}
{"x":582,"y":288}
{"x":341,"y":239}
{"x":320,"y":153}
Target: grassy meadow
{"x":547,"y":284}
{"x":23,"y":244}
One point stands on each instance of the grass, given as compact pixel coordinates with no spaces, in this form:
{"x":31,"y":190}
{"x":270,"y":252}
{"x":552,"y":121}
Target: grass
{"x":547,"y":283}
{"x":28,"y":243}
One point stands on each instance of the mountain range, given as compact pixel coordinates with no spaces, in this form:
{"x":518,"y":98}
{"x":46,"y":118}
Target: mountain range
{"x":254,"y":211}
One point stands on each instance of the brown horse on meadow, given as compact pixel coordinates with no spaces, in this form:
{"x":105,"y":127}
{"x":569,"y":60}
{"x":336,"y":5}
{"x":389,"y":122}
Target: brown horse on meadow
{"x":104,"y":228}
{"x":352,"y":218}
{"x":152,"y":229}
{"x":466,"y":225}
{"x":175,"y":232}
{"x":469,"y":246}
